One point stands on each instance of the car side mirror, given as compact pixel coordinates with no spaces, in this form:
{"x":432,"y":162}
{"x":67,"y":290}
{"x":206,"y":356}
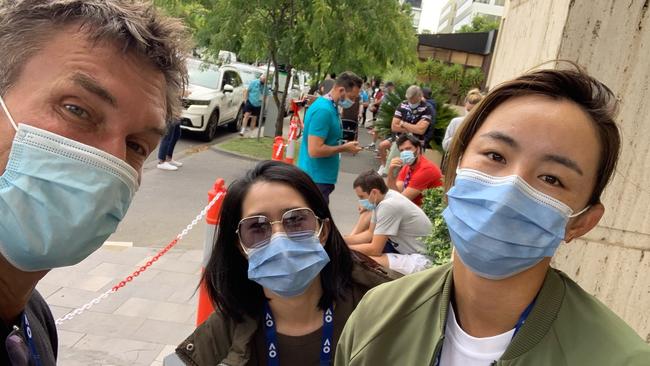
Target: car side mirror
{"x":228,"y":88}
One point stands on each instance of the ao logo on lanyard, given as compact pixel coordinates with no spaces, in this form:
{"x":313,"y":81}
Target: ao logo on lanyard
{"x":272,"y":337}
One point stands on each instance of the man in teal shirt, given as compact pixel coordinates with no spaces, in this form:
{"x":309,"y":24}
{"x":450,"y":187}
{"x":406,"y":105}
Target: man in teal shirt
{"x":253,"y":96}
{"x":319,"y":154}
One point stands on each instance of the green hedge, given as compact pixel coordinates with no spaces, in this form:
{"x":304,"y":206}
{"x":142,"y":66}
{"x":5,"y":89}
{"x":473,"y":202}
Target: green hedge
{"x":438,"y":243}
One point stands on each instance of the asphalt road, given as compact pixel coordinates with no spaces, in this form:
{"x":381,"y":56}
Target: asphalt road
{"x":187,"y":143}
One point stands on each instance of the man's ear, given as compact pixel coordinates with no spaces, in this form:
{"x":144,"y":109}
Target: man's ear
{"x":579,"y":226}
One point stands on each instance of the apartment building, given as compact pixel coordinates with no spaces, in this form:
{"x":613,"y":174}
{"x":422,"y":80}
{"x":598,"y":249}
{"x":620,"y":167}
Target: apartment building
{"x":456,"y":13}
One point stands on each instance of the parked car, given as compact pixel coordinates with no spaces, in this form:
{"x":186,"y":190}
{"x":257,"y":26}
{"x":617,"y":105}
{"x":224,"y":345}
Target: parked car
{"x":215,"y":97}
{"x":298,"y":85}
{"x":248,"y":72}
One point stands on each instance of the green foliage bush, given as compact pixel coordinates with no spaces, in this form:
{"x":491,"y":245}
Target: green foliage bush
{"x":479,"y":24}
{"x":454,"y":79}
{"x":438,"y":243}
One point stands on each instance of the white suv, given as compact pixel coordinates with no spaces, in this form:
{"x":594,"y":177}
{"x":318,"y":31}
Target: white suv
{"x":215,"y":97}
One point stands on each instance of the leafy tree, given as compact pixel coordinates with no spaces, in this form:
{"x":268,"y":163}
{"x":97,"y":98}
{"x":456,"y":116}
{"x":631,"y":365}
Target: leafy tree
{"x":479,"y":24}
{"x":319,"y":36}
{"x":193,"y":12}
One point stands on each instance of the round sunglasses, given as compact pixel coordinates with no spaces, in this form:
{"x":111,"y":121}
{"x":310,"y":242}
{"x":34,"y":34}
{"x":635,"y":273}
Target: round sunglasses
{"x":299,"y":223}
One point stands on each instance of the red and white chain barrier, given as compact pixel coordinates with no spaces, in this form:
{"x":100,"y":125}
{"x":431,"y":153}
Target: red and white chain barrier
{"x":131,"y":277}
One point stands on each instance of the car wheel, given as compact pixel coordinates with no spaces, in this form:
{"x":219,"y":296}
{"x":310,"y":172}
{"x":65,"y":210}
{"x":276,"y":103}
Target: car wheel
{"x":211,"y":129}
{"x":235,"y":125}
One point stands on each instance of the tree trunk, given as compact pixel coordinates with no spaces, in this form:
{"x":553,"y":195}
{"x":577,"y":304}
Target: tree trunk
{"x":279,"y":123}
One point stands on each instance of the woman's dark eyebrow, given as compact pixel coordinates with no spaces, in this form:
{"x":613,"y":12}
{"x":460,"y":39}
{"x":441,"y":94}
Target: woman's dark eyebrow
{"x":500,"y":136}
{"x":563,"y":160}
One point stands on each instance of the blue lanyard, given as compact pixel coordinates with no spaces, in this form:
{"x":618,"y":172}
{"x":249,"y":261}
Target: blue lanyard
{"x":520,"y":323}
{"x":30,"y":341}
{"x":272,"y":338}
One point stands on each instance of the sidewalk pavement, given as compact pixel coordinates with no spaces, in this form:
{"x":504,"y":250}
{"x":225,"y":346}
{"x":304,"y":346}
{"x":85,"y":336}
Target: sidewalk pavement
{"x":137,"y":325}
{"x":145,"y":320}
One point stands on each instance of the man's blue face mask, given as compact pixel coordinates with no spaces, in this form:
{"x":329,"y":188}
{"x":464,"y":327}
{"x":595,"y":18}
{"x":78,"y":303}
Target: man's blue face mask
{"x":60,"y":199}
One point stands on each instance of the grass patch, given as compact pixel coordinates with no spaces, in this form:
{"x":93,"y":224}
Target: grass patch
{"x":253,"y":148}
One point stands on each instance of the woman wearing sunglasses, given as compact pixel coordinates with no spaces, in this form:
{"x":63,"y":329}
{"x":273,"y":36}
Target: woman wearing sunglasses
{"x":281,"y":277}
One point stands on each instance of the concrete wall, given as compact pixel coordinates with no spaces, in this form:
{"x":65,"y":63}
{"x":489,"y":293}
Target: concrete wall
{"x":530,"y":33}
{"x":611,"y":39}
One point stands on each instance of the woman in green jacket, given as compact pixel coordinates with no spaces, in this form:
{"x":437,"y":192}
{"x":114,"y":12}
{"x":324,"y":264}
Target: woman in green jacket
{"x":281,"y":277}
{"x":526,"y":172}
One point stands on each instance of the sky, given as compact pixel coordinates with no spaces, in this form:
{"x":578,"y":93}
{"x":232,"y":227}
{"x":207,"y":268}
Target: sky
{"x":430,"y":14}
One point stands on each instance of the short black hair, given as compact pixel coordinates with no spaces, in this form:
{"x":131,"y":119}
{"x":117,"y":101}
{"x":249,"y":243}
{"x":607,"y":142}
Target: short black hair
{"x":390,"y":83}
{"x":426,"y":92}
{"x":349,"y":80}
{"x":226,"y":274}
{"x":333,"y":75}
{"x":370,"y":180}
{"x":409,"y":137}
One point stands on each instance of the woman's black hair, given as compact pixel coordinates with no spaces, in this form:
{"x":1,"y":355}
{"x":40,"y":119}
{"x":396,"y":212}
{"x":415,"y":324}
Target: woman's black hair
{"x":226,"y":274}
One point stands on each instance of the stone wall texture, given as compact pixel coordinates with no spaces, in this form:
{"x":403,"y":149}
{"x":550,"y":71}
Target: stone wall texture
{"x":611,"y":39}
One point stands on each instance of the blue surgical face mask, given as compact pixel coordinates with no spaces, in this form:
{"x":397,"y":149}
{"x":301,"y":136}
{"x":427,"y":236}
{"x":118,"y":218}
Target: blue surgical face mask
{"x":346,"y":103}
{"x":407,"y":157}
{"x":501,"y":226}
{"x":286,"y":266}
{"x":414,"y":105}
{"x":60,"y":199}
{"x":365,"y":203}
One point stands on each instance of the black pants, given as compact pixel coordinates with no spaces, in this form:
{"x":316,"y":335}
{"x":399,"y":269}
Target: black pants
{"x":326,"y":190}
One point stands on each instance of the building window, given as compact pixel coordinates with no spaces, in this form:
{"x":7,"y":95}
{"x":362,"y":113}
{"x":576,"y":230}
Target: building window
{"x":500,"y":2}
{"x":414,"y":3}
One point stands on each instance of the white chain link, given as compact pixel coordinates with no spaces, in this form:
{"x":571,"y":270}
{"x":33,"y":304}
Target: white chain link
{"x":179,"y":237}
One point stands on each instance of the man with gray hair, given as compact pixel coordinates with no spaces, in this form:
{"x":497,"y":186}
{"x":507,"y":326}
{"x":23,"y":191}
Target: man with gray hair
{"x":412,"y":116}
{"x":86,"y":88}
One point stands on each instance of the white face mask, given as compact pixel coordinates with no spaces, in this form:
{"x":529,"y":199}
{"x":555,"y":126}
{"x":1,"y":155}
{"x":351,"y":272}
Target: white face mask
{"x":60,"y":199}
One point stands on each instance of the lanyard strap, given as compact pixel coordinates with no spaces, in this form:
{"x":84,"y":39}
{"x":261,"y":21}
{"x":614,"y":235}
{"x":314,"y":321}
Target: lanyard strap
{"x":272,"y":342}
{"x":30,"y":341}
{"x":520,"y":323}
{"x":523,"y":317}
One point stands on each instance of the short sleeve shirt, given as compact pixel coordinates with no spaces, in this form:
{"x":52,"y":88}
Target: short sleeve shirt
{"x":403,"y":222}
{"x":422,"y":175}
{"x":364,"y":96}
{"x":413,"y":116}
{"x":322,"y":120}
{"x":255,"y":93}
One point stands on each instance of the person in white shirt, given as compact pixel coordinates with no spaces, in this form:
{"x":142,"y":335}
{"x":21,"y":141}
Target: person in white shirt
{"x":397,"y":227}
{"x":473,"y":97}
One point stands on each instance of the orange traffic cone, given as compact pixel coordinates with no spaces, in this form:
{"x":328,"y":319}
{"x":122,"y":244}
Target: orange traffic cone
{"x":278,"y":145}
{"x":291,"y":143}
{"x":205,"y":307}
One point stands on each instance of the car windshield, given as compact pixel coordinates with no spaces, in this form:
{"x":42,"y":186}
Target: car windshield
{"x":202,"y":74}
{"x":248,"y":75}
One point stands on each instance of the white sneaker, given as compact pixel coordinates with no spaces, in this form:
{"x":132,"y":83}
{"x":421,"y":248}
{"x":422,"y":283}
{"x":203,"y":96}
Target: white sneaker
{"x":241,"y":133}
{"x":382,"y":170}
{"x":175,"y":163}
{"x":166,"y":166}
